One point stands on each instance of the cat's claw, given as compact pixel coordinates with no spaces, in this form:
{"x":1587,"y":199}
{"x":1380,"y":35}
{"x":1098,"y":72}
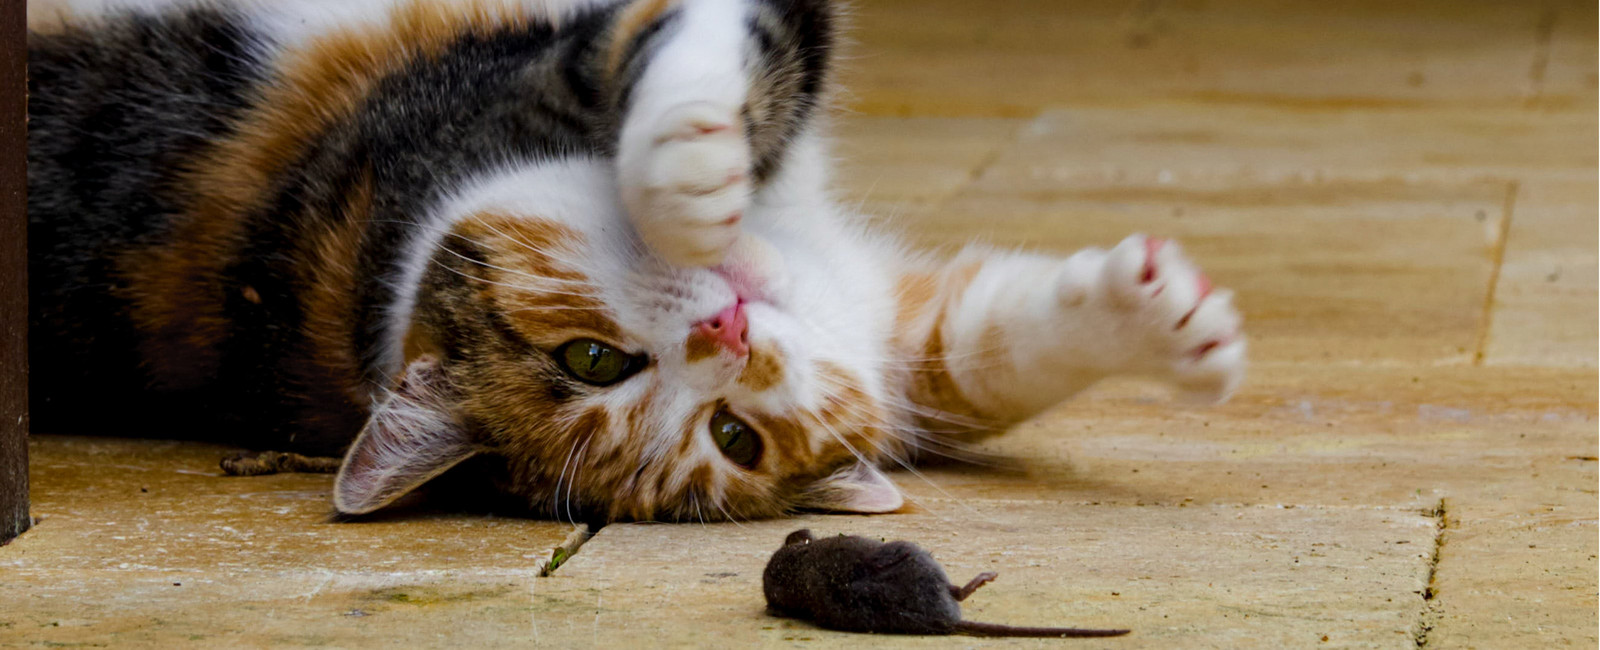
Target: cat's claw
{"x":686,"y":184}
{"x":1187,"y":327}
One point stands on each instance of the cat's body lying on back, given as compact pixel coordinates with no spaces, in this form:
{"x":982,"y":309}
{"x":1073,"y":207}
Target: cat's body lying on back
{"x":592,"y":240}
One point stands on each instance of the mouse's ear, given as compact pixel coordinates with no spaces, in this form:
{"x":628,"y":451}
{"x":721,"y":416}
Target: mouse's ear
{"x":411,"y":437}
{"x":859,"y":488}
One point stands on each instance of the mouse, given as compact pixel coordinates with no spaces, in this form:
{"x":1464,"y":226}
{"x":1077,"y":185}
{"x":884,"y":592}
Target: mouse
{"x":856,"y":584}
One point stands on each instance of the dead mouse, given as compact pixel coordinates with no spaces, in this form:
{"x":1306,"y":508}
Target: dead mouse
{"x":863,"y":585}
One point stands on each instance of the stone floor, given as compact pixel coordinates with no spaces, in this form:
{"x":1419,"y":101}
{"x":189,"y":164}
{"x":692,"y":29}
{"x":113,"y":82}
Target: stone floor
{"x":1404,"y":196}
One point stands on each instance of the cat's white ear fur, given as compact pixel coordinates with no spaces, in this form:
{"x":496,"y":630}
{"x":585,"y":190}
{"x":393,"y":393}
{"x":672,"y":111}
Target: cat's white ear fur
{"x":859,"y":488}
{"x":410,"y":438}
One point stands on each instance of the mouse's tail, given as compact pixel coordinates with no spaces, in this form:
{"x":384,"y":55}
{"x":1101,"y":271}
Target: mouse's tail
{"x":973,"y":628}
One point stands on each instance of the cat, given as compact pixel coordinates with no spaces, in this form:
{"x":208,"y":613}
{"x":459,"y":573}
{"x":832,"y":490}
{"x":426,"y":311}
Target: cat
{"x":589,"y":244}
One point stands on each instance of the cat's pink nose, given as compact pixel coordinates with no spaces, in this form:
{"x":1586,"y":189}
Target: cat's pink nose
{"x":728,"y":330}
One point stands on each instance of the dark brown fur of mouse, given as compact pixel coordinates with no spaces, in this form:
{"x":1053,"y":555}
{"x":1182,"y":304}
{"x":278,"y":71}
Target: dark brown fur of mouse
{"x":858,"y":584}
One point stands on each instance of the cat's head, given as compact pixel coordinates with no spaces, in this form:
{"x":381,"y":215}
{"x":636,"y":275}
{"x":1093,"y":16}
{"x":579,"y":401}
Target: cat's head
{"x":615,"y":385}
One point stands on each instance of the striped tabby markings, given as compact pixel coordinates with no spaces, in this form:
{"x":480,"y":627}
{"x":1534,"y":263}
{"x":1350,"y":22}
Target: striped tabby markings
{"x":849,"y":421}
{"x":175,"y":288}
{"x":850,"y":412}
{"x":328,"y":281}
{"x":637,"y":16}
{"x":534,"y":284}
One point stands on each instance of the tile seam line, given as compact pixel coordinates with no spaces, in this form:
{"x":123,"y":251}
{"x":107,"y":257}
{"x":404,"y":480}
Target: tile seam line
{"x":1413,"y":508}
{"x":568,"y":549}
{"x":1544,"y":35}
{"x":1486,"y":315}
{"x":1432,"y":613}
{"x":993,"y":156}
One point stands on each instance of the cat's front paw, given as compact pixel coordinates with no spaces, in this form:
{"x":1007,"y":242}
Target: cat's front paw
{"x":685,"y":181}
{"x":1183,"y":328}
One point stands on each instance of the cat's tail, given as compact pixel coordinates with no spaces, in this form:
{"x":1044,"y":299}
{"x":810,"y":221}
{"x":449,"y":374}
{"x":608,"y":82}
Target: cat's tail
{"x":973,"y":628}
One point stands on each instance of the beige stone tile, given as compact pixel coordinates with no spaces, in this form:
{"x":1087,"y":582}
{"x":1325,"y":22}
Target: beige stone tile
{"x":143,"y":542}
{"x":1186,"y":145}
{"x":951,"y":57}
{"x":1523,"y":581}
{"x":888,"y":160}
{"x":1226,"y":577}
{"x":1350,"y":237}
{"x":1506,"y":440}
{"x":1545,"y":300}
{"x":1329,"y":271}
{"x":1563,"y":72}
{"x":1509,"y":451}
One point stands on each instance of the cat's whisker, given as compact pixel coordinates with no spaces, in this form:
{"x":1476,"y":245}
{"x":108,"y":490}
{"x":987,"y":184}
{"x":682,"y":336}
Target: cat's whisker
{"x":725,"y":514}
{"x":694,"y":497}
{"x":904,"y":463}
{"x":939,"y":415}
{"x":526,"y":245}
{"x":525,"y":274}
{"x":577,"y":469}
{"x":537,"y":278}
{"x":512,"y":286}
{"x":555,"y":497}
{"x":554,"y":308}
{"x":921,"y":439}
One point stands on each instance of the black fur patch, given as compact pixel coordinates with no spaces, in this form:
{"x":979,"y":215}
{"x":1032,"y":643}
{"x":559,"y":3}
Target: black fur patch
{"x":117,"y":110}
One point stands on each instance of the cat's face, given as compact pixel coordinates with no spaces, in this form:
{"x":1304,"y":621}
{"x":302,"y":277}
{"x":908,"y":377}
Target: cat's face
{"x":616,"y":385}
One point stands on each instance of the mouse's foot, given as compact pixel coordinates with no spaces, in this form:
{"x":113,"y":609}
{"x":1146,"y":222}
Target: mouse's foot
{"x":961,"y":593}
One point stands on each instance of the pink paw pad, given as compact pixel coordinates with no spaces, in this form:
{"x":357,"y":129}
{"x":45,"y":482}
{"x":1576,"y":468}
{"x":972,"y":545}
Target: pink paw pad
{"x":1151,"y":246}
{"x":1208,"y":346}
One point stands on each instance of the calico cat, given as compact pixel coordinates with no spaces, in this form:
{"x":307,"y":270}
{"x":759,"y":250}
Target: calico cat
{"x":589,"y":244}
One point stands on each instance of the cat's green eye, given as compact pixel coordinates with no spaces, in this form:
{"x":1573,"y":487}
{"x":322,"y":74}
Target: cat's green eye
{"x":737,"y":440}
{"x":593,"y":362}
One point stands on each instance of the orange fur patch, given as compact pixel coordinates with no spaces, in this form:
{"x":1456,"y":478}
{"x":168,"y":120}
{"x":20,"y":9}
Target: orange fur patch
{"x":175,"y":289}
{"x":763,"y":370}
{"x":531,"y":281}
{"x":790,"y":438}
{"x":850,"y":413}
{"x":634,"y":18}
{"x":699,"y":346}
{"x":924,"y":301}
{"x":330,"y":282}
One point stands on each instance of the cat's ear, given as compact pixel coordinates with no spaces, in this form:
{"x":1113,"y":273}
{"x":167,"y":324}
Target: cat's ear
{"x":410,"y":438}
{"x":859,"y":488}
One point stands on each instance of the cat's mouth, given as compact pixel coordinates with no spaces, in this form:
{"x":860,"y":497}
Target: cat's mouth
{"x":754,"y":270}
{"x":749,"y":287}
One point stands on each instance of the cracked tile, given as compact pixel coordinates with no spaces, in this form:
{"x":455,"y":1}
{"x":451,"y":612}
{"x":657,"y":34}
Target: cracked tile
{"x":1217,"y":576}
{"x":1544,"y":310}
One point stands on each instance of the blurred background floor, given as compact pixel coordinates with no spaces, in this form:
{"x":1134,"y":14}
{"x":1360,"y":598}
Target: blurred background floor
{"x":1402,"y":193}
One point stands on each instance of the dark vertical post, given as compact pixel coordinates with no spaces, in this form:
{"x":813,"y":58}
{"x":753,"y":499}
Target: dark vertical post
{"x":13,"y":270}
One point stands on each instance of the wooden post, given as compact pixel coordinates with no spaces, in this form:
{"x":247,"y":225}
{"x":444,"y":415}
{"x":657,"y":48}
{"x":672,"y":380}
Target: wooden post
{"x":13,"y":270}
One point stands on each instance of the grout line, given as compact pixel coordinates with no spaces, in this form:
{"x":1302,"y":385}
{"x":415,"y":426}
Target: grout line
{"x":1486,"y":318}
{"x":1431,"y":609}
{"x":1183,"y":503}
{"x":1541,"y":56}
{"x":562,"y":554}
{"x":989,"y":159}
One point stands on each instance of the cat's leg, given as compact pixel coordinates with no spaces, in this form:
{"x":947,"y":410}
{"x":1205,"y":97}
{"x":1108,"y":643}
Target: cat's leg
{"x":721,"y":86}
{"x":1011,"y":334}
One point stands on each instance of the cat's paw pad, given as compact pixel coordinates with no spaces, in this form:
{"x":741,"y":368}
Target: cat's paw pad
{"x":686,"y":183}
{"x":1187,"y":327}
